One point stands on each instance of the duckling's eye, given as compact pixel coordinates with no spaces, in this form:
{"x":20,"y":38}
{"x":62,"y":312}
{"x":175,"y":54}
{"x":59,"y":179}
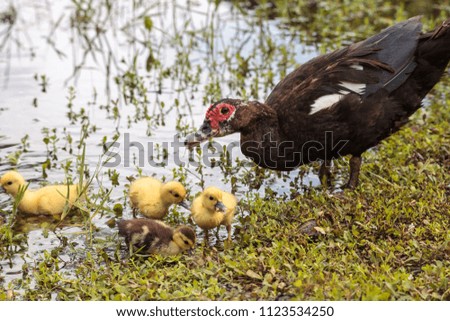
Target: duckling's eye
{"x":211,"y":198}
{"x":186,"y":242}
{"x":176,"y":195}
{"x":9,"y":183}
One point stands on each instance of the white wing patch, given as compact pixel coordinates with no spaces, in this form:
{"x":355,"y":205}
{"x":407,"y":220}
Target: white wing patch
{"x":324,"y":102}
{"x":329,"y":100}
{"x":357,"y":67}
{"x":357,"y":88}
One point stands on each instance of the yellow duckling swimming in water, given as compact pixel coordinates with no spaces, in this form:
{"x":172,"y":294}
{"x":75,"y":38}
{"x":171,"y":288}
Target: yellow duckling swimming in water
{"x":152,"y":198}
{"x":155,"y":237}
{"x":48,"y":200}
{"x":213,"y":208}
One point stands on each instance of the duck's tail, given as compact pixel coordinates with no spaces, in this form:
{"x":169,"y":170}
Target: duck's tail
{"x":432,"y":56}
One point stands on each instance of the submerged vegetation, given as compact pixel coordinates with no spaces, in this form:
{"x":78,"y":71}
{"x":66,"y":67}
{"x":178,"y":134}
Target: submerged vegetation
{"x":149,"y":69}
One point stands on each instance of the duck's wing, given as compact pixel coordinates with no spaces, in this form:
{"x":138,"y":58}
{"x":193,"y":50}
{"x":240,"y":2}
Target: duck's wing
{"x":383,"y":61}
{"x":144,"y":233}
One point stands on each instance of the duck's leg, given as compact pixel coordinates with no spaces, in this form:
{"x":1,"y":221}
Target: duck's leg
{"x":130,"y":249}
{"x":229,"y":233}
{"x":206,"y":237}
{"x":325,"y":173}
{"x":355,"y":166}
{"x":217,"y":232}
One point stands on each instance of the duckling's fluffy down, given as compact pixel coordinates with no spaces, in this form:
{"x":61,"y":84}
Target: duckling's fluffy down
{"x":48,"y":200}
{"x":143,"y":232}
{"x":152,"y":198}
{"x":154,"y":237}
{"x":230,"y":202}
{"x":204,"y":213}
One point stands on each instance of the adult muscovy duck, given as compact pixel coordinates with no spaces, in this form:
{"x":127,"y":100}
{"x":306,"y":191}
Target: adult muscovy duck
{"x":341,"y":103}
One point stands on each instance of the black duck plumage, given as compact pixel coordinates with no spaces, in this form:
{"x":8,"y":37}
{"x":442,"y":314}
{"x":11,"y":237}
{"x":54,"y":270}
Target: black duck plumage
{"x":337,"y":104}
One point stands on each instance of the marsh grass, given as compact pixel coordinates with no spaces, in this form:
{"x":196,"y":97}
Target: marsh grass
{"x":7,"y":233}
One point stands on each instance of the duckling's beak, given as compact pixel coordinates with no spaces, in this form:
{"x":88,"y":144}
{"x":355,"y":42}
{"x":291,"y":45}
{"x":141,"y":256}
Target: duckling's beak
{"x":203,"y":133}
{"x":185,"y":205}
{"x":220,"y":207}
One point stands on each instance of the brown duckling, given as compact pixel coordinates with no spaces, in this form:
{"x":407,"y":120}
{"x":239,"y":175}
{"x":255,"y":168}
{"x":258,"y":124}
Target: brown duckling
{"x":154,"y":237}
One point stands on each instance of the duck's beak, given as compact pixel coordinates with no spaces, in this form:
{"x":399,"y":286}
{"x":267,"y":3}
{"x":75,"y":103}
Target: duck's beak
{"x":220,"y":207}
{"x":203,"y":133}
{"x":185,"y":205}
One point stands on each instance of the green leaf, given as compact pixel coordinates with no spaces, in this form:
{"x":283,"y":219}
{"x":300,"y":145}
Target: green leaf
{"x":148,"y":23}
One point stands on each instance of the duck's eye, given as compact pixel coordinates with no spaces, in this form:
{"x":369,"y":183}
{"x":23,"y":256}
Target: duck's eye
{"x":211,"y":198}
{"x":186,"y":242}
{"x":9,"y":183}
{"x":176,"y":195}
{"x":224,"y":111}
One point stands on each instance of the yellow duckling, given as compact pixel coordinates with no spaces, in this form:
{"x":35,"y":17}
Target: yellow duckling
{"x":213,"y":208}
{"x":48,"y":200}
{"x":152,"y":198}
{"x":155,"y":237}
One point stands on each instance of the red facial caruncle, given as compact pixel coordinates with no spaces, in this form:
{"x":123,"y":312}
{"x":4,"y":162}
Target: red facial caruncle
{"x":219,"y":113}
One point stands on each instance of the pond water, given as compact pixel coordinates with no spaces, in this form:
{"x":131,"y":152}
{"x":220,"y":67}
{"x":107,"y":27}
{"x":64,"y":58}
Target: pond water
{"x":82,"y":74}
